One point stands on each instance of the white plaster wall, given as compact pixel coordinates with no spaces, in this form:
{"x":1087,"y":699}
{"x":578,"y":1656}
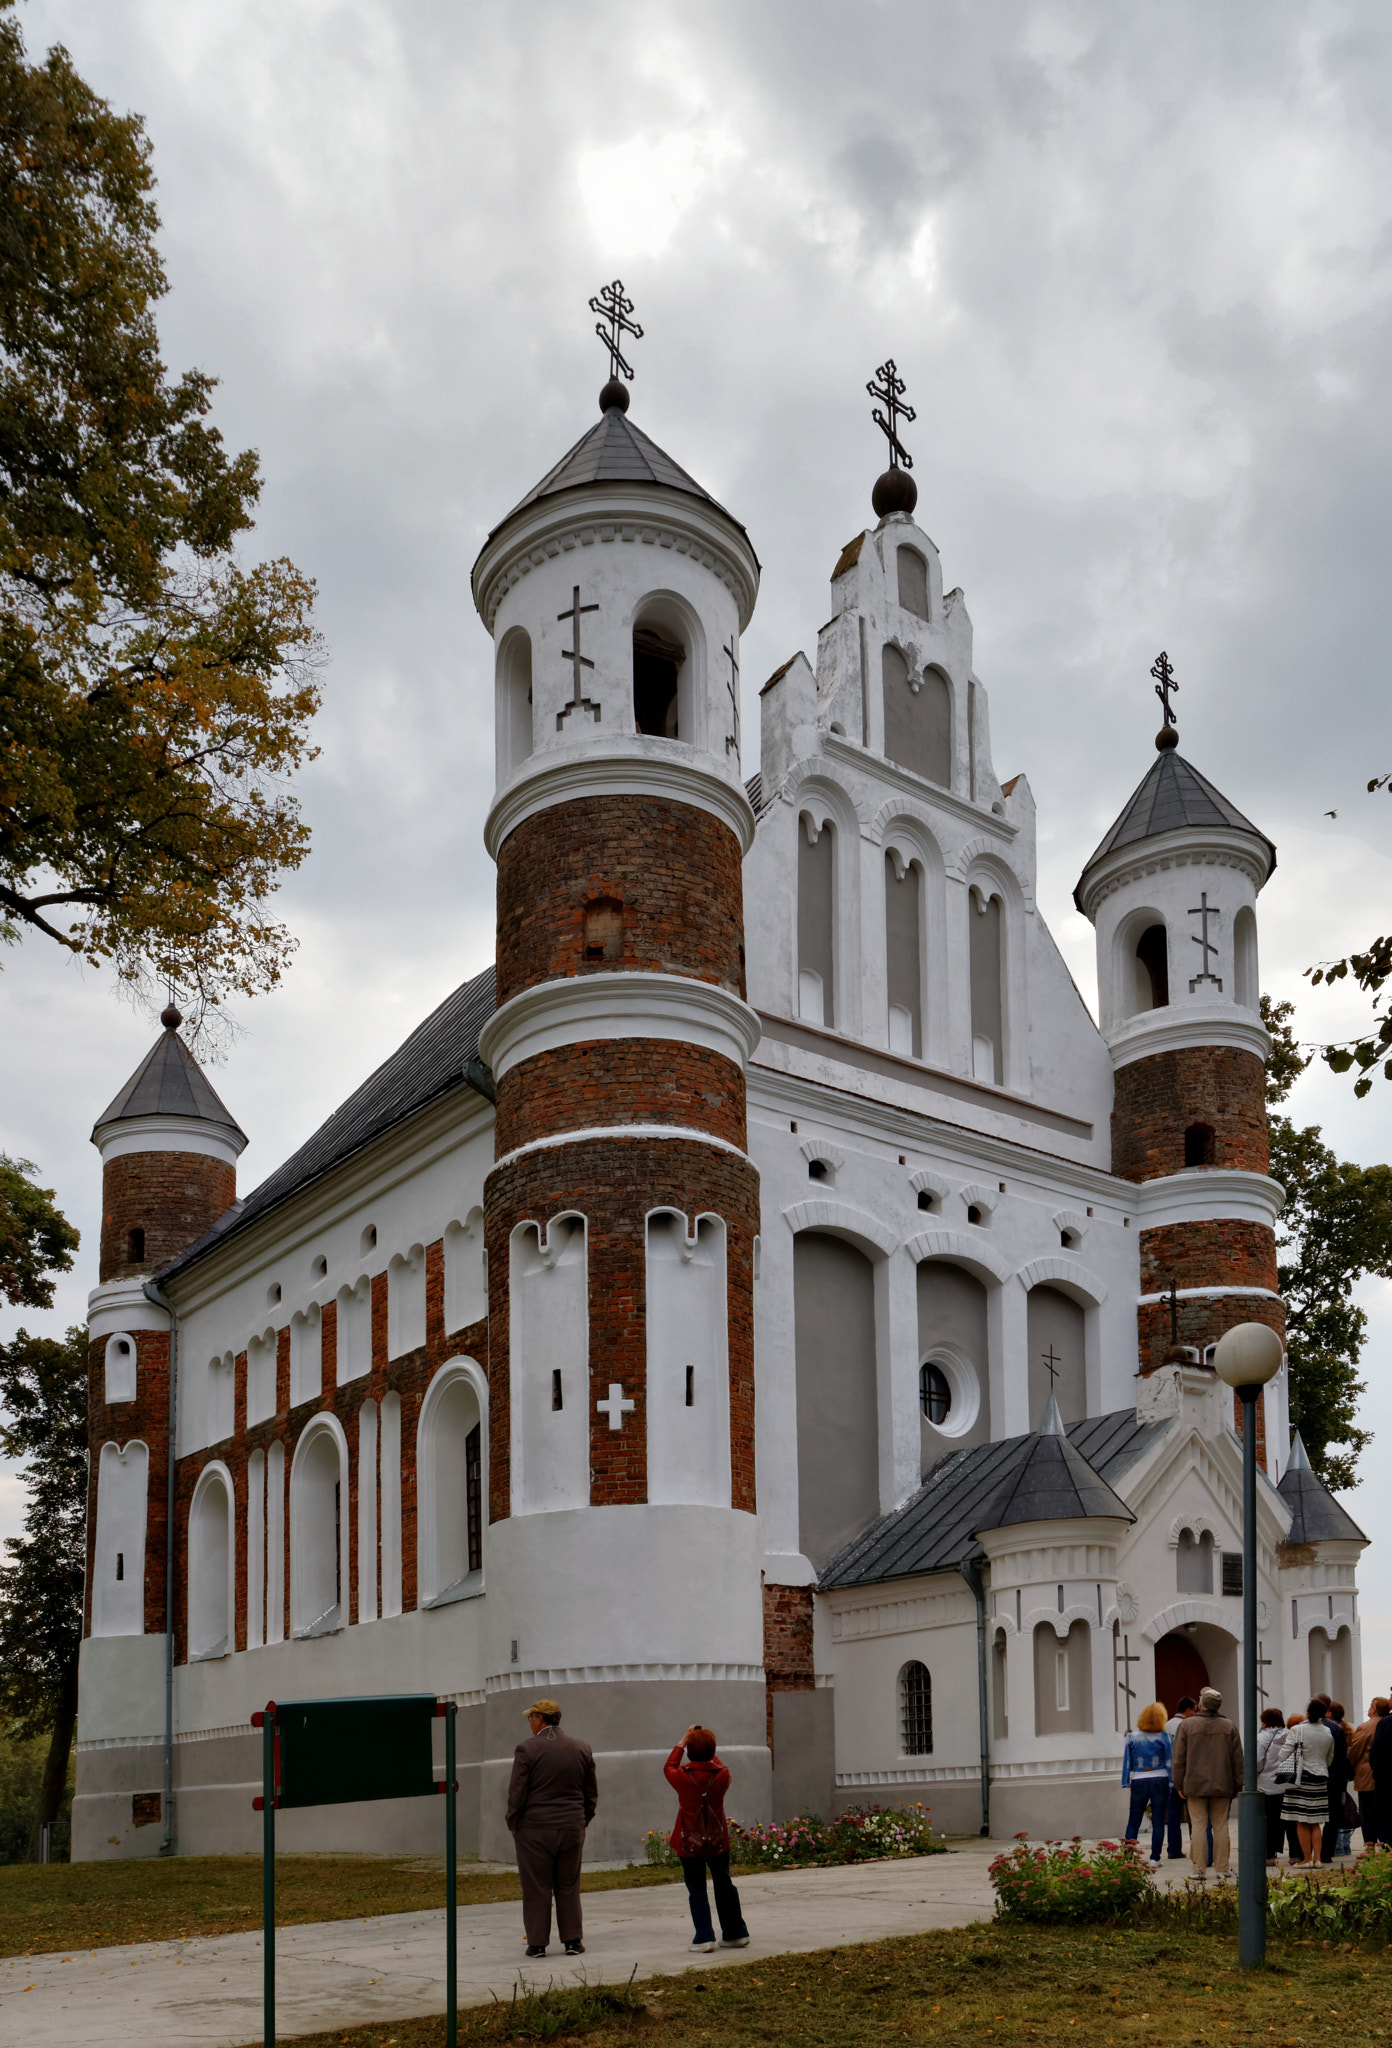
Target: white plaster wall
{"x":687,"y":1331}
{"x":549,"y":1328}
{"x":466,"y":1272}
{"x":118,"y":1604}
{"x":406,"y":1302}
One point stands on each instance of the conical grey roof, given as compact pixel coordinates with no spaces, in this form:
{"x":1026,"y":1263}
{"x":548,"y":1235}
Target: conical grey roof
{"x":170,"y":1082}
{"x":1316,"y":1516}
{"x":1053,"y":1482}
{"x":613,"y":451}
{"x":1172,"y":797}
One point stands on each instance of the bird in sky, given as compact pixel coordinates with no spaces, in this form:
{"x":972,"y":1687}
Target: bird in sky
{"x":1331,"y":814}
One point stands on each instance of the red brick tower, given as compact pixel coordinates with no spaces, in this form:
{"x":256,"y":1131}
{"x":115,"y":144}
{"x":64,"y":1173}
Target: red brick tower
{"x":1171,"y":892}
{"x":624,"y":1556}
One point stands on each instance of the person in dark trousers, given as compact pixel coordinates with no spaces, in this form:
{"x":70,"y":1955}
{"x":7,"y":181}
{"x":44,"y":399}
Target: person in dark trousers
{"x":1207,"y":1769}
{"x":551,"y":1801}
{"x":1271,"y":1748}
{"x":1145,"y":1770}
{"x":701,"y":1839}
{"x":1174,"y":1818}
{"x":1361,"y":1764}
{"x":1338,"y":1777}
{"x":1380,"y":1766}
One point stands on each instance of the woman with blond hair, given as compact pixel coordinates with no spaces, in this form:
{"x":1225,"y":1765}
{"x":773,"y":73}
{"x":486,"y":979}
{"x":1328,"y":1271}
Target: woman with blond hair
{"x":1145,"y":1768}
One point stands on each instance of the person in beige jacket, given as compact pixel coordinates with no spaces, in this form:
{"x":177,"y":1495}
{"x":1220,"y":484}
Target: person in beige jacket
{"x":1207,"y":1773}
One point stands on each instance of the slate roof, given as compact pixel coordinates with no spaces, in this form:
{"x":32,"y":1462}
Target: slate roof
{"x":1316,"y":1516}
{"x":170,"y":1082}
{"x":436,"y":1058}
{"x":935,"y":1531}
{"x":1172,"y":796}
{"x":613,"y":451}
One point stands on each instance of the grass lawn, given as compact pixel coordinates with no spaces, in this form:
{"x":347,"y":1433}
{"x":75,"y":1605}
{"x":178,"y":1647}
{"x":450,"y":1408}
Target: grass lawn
{"x":963,"y":1986}
{"x":44,"y":1907}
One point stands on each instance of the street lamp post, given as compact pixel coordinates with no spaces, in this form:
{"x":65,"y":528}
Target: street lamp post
{"x":1246,"y":1358}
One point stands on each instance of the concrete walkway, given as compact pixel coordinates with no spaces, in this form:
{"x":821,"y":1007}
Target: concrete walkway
{"x":207,"y":1993}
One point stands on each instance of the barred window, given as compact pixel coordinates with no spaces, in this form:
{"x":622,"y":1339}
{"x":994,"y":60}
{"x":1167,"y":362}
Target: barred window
{"x":916,"y":1707}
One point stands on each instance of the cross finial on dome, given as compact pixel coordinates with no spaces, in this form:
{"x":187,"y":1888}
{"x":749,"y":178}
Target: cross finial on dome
{"x":1163,"y":671}
{"x":615,"y":311}
{"x":895,"y":490}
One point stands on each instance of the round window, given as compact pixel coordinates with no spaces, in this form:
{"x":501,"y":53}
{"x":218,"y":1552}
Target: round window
{"x":935,"y":1393}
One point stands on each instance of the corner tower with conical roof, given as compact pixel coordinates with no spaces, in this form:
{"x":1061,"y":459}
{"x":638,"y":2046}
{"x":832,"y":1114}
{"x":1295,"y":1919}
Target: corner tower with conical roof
{"x":1171,"y":892}
{"x":622,"y":1211}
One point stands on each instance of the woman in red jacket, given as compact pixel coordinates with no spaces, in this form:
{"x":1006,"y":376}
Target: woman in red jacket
{"x":701,"y":1838}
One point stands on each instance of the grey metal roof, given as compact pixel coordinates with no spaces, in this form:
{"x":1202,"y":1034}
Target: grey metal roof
{"x":966,"y":1491}
{"x":1171,"y":797}
{"x":1316,"y":1516}
{"x":613,"y":451}
{"x":170,"y":1082}
{"x":440,"y":1054}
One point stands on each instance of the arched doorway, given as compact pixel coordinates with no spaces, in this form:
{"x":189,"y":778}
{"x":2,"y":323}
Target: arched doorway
{"x":1180,"y":1670}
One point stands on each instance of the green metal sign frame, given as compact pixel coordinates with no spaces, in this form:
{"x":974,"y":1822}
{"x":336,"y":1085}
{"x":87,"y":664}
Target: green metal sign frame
{"x":330,"y":1752}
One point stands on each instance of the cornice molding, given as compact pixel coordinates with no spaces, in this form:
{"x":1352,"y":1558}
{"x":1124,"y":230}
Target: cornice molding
{"x":931,"y":794}
{"x":1186,"y":1027}
{"x":629,"y":764}
{"x":1193,"y":846}
{"x":618,"y":1005}
{"x":1208,"y":1194}
{"x":127,"y":1134}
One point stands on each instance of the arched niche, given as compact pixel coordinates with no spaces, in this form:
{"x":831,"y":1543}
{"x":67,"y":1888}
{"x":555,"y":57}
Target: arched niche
{"x":1141,"y":963}
{"x":986,"y":958}
{"x":1063,"y":1679}
{"x":837,"y":1392}
{"x":210,"y":1559}
{"x":688,"y":1371}
{"x":1246,"y":973}
{"x":406,"y":1302}
{"x":318,"y":1532}
{"x":119,"y":1364}
{"x":816,"y":919}
{"x":904,"y":953}
{"x":953,"y":1340}
{"x":118,"y":1552}
{"x":911,"y":569}
{"x":1057,"y":1337}
{"x":515,"y":713}
{"x":549,"y":1337}
{"x":354,"y":1330}
{"x":917,"y":717}
{"x":1194,"y":1561}
{"x":450,"y":1478}
{"x":466,"y":1272}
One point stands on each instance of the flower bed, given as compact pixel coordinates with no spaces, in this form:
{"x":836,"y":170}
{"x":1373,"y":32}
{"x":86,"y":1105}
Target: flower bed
{"x":1349,"y":1905}
{"x":859,"y":1835}
{"x":1063,"y":1881}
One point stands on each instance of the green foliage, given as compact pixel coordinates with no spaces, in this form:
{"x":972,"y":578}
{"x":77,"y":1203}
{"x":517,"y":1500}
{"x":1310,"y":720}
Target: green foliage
{"x":1335,"y":1228}
{"x":859,"y":1835}
{"x":1355,"y":1905}
{"x":36,"y":1239}
{"x":559,"y":2011}
{"x":153,"y":693}
{"x":1062,"y":1881}
{"x":21,"y":1789}
{"x":1371,"y":970}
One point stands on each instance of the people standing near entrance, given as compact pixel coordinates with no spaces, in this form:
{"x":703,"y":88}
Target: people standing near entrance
{"x":1309,"y":1752}
{"x":701,"y":1839}
{"x":1271,"y":1748}
{"x":1145,"y":1768}
{"x":1380,"y":1764}
{"x":1330,"y":1845}
{"x":1361,"y":1764}
{"x":1175,"y":1814}
{"x":1207,"y":1771}
{"x":552,"y":1797}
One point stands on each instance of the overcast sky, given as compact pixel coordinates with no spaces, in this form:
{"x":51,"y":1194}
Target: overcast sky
{"x":1134,"y":263}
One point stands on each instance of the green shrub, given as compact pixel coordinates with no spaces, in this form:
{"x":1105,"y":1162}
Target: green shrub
{"x":1353,"y":1905}
{"x":560,"y":2010}
{"x":1064,"y":1881}
{"x":859,"y":1835}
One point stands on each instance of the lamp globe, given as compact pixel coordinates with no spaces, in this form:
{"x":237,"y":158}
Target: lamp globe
{"x":1248,"y":1355}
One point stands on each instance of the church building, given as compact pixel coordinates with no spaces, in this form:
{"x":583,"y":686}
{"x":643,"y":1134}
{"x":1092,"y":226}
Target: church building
{"x":763,"y":1296}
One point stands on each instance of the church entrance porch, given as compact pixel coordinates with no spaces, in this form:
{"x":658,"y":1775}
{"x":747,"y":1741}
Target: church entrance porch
{"x":1189,"y":1658}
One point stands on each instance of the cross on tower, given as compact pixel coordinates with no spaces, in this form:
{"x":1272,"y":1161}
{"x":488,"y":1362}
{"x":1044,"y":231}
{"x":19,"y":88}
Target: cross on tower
{"x":1205,"y":910}
{"x":617,"y":1405}
{"x":1163,"y":673}
{"x":1123,"y":1657}
{"x":1051,"y":1362}
{"x":614,"y":310}
{"x":732,"y":740}
{"x":577,"y":660}
{"x":1174,"y":1313}
{"x":890,"y":390}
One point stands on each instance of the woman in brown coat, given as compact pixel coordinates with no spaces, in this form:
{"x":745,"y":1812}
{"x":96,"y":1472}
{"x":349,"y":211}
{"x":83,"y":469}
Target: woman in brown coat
{"x":1361,"y":1764}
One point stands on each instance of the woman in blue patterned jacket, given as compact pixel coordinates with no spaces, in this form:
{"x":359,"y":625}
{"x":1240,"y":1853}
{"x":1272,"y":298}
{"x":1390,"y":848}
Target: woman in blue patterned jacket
{"x":1145,"y":1767}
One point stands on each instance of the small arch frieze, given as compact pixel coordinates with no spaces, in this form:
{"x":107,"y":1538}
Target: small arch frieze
{"x":818,"y":1148}
{"x":843,"y":1219}
{"x":1137,"y":870}
{"x":978,"y":1194}
{"x":1059,"y":1623}
{"x":1067,"y":1274}
{"x":1199,"y":1525}
{"x":980,"y":859}
{"x":1207,"y":1612}
{"x":1073,"y":1220}
{"x":973,"y":1252}
{"x":925,"y":1182}
{"x":808,"y":781}
{"x":900,"y":810}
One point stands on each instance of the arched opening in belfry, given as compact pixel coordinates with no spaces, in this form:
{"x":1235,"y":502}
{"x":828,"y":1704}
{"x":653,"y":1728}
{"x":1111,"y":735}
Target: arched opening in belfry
{"x":1200,"y":1145}
{"x":1153,"y":959}
{"x":913,"y":582}
{"x":657,"y":664}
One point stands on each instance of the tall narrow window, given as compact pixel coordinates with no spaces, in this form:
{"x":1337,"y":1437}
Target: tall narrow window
{"x":135,"y":1246}
{"x":916,"y":1710}
{"x":988,"y":1051}
{"x":657,"y":663}
{"x":903,"y":954}
{"x":816,"y":922}
{"x":917,"y":718}
{"x":367,"y":1511}
{"x":1247,"y":981}
{"x":1000,"y":1699}
{"x":1194,"y":1562}
{"x":449,"y":1463}
{"x":473,"y":1488}
{"x":1153,"y":968}
{"x":515,"y":714}
{"x":316,"y":1535}
{"x":1199,"y":1145}
{"x":913,"y":582}
{"x":209,"y":1567}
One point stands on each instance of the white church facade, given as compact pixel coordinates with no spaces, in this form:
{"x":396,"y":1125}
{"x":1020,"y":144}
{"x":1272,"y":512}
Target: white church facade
{"x":764,"y":1296}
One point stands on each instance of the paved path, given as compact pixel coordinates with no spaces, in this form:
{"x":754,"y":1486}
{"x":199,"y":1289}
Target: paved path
{"x":207,"y":1993}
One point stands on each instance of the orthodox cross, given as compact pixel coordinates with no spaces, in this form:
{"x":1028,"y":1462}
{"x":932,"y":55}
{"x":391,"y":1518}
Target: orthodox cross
{"x":577,"y":660}
{"x":1163,"y":673}
{"x":732,"y":740}
{"x":890,"y":391}
{"x":1052,"y":1362}
{"x":1205,"y":910}
{"x":1174,"y":1313}
{"x":614,"y":310}
{"x":1123,"y":1658}
{"x":617,"y":1405}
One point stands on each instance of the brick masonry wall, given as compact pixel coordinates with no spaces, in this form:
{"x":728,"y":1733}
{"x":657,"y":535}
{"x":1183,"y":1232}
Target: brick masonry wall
{"x":1215,"y":1254}
{"x":675,"y":870}
{"x":172,"y":1196}
{"x":614,"y":1183}
{"x":620,"y":1081}
{"x":1157,"y":1099}
{"x":788,"y":1664}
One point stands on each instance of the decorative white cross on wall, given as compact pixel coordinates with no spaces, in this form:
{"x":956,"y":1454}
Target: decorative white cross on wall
{"x":617,"y":1405}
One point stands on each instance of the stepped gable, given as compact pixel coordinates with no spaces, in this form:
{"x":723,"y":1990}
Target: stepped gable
{"x":613,"y":451}
{"x":1173,"y":797}
{"x":935,"y":1530}
{"x":170,"y":1082}
{"x":1316,"y":1516}
{"x":436,"y":1058}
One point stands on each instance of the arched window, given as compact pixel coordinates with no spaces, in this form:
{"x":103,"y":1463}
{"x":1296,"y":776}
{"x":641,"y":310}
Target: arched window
{"x":1247,"y":981}
{"x":261,"y":1376}
{"x":1153,"y":968}
{"x":305,"y":1354}
{"x":987,"y":1018}
{"x":209,"y":1567}
{"x":913,"y":582}
{"x":316,"y":1535}
{"x":1000,"y":1698}
{"x":904,"y":954}
{"x":1200,"y":1143}
{"x":1062,"y":1680}
{"x":516,"y":730}
{"x":952,"y":1341}
{"x":256,"y":1550}
{"x":658,"y":656}
{"x":838,"y":1443}
{"x":1194,"y":1562}
{"x":449,"y":1454}
{"x":816,"y":914}
{"x":916,"y":1710}
{"x":135,"y":1246}
{"x":354,"y":1330}
{"x":917,"y":718}
{"x":466,"y":1273}
{"x":406,"y":1303}
{"x":120,"y":1363}
{"x":367,"y":1511}
{"x":390,"y":1496}
{"x":1056,"y":1327}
